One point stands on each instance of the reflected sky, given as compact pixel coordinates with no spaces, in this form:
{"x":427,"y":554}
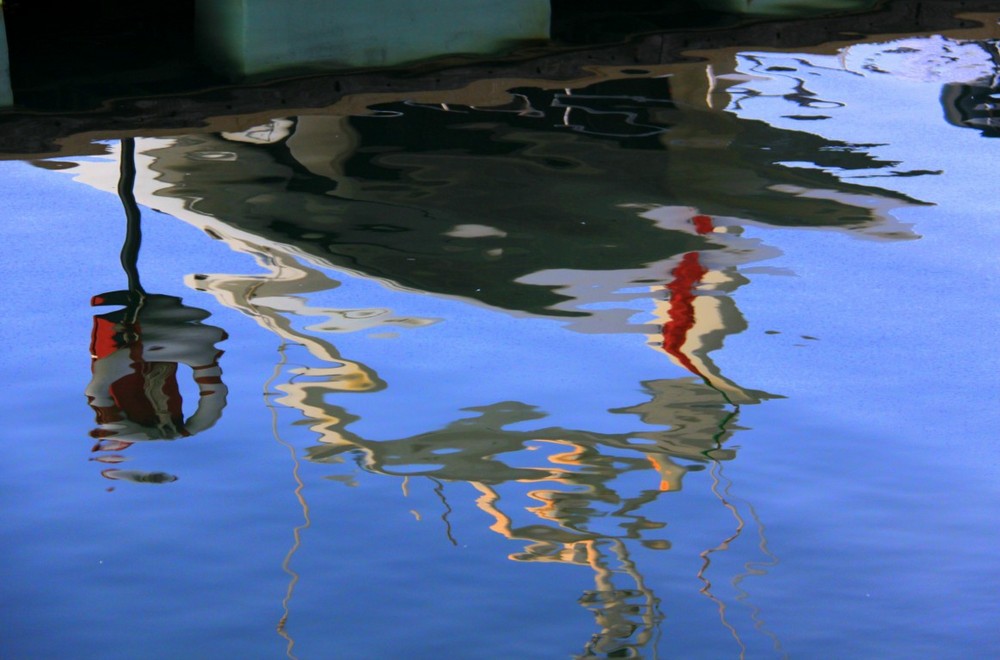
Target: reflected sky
{"x":527,"y":322}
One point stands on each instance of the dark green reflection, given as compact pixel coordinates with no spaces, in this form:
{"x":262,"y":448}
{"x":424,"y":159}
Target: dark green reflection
{"x":469,"y":201}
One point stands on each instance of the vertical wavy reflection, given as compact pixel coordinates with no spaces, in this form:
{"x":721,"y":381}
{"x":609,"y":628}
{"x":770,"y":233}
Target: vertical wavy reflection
{"x":721,"y":489}
{"x":286,"y":564}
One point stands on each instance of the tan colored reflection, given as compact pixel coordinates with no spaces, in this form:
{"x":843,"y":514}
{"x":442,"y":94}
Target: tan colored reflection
{"x":276,"y":298}
{"x":575,"y":503}
{"x":566,"y":493}
{"x":572,"y":496}
{"x":579,"y":483}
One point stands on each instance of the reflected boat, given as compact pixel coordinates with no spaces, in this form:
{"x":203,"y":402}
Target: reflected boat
{"x":337,"y":189}
{"x":644,"y":230}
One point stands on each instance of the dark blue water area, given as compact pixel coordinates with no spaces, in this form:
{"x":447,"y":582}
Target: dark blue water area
{"x":857,"y":518}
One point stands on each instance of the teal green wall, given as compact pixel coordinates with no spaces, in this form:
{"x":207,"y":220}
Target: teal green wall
{"x":6,"y":97}
{"x":221,"y":33}
{"x":247,"y":37}
{"x":790,"y":8}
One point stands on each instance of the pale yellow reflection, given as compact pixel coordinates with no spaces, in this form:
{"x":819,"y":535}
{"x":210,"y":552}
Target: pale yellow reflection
{"x":286,"y":564}
{"x":277,"y":297}
{"x":614,"y":607}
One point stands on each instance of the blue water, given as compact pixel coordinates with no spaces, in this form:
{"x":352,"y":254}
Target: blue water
{"x":515,"y":483}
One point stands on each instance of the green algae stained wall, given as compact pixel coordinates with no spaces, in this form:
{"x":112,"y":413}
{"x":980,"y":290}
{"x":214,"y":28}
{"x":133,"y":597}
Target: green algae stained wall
{"x":6,"y":96}
{"x":248,"y":37}
{"x":789,"y":8}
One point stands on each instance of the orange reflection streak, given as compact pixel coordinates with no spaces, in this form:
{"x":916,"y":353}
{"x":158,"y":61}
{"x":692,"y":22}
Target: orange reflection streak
{"x":567,"y":458}
{"x":548,"y":510}
{"x":665,"y":485}
{"x":610,"y":605}
{"x":487,"y":504}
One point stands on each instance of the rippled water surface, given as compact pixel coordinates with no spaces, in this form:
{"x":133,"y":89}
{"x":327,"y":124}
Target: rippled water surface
{"x":694,"y":360}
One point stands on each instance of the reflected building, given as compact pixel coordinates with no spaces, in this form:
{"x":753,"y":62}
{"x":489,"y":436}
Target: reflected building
{"x":253,"y":37}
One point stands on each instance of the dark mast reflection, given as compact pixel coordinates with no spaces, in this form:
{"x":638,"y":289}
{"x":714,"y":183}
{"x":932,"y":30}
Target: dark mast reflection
{"x":136,"y":351}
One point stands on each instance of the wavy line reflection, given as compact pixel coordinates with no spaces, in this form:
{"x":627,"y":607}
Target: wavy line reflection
{"x":286,"y":564}
{"x":577,"y":487}
{"x":375,"y":195}
{"x":583,"y":492}
{"x":580,"y":508}
{"x":396,"y":195}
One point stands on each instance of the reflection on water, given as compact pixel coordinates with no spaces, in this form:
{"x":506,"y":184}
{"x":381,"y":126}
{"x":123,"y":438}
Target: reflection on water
{"x":421,"y":195}
{"x":632,"y":204}
{"x":570,"y":499}
{"x":136,"y":352}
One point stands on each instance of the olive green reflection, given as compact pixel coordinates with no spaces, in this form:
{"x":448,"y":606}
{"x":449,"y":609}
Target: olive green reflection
{"x":571,"y":504}
{"x":696,"y":419}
